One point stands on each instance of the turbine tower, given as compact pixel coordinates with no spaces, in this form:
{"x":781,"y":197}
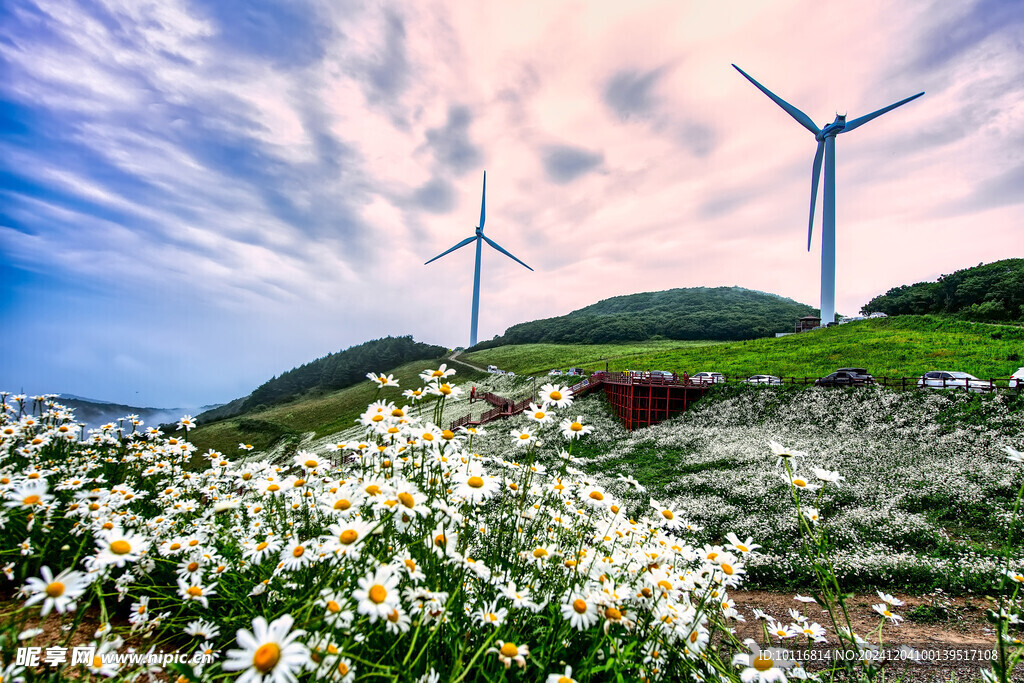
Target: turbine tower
{"x":479,"y":238}
{"x":826,"y":138}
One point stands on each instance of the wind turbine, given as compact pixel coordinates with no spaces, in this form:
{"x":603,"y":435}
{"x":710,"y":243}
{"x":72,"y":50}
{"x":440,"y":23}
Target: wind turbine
{"x":479,"y":238}
{"x":826,"y":138}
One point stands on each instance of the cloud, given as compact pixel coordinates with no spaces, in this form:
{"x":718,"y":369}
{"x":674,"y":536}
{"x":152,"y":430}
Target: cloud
{"x":629,"y":93}
{"x":387,"y":72}
{"x":435,"y":196}
{"x":563,"y":163}
{"x":965,"y":25}
{"x":450,"y":143}
{"x":258,"y":28}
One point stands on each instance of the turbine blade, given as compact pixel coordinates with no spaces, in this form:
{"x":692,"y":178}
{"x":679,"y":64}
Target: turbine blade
{"x":856,"y":123}
{"x":483,"y":197}
{"x":802,"y":118}
{"x":815,"y":175}
{"x":457,"y":246}
{"x":496,"y":246}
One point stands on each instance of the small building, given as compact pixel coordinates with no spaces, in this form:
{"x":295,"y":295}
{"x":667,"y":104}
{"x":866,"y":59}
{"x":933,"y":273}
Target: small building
{"x":807,"y":323}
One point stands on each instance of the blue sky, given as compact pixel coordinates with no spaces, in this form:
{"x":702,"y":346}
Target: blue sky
{"x":195,"y":196}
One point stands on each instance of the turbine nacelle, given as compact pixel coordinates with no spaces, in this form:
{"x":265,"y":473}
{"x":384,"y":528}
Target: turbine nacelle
{"x":832,"y":129}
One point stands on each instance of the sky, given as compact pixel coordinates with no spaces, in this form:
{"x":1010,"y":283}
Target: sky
{"x":196,"y":195}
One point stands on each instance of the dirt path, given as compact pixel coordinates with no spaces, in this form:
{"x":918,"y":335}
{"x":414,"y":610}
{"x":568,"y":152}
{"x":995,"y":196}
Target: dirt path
{"x":455,"y":359}
{"x":951,"y":634}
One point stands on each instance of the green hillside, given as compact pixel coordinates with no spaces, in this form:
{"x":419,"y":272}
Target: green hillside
{"x":328,"y":373}
{"x":991,"y":292}
{"x":697,"y":313}
{"x":893,"y":347}
{"x":323,"y":415}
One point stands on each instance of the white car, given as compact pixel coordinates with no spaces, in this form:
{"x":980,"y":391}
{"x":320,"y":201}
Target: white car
{"x":947,"y":379}
{"x":1017,"y":379}
{"x":764,"y":379}
{"x":707,"y":378}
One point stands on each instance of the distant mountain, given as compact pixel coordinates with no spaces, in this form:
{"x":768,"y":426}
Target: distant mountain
{"x":329,"y":373}
{"x":992,"y":292}
{"x":95,"y":413}
{"x":695,"y":313}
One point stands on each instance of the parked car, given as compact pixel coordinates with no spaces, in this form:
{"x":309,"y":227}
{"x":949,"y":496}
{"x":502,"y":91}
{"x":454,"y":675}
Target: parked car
{"x":1017,"y":379}
{"x":764,"y":379}
{"x":663,"y":375}
{"x":845,"y":377}
{"x":555,"y":373}
{"x":707,"y":378}
{"x":948,"y":379}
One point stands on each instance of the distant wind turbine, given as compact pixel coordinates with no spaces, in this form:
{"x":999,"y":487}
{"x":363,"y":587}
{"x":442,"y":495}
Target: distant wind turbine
{"x":826,"y":138}
{"x":479,"y":237}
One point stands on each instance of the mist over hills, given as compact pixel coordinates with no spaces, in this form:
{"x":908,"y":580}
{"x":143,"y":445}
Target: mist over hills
{"x":95,"y":413}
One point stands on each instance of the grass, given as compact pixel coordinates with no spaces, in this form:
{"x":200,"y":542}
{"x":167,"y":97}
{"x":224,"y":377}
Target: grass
{"x":903,"y":346}
{"x":322,"y":415}
{"x":538,"y":359}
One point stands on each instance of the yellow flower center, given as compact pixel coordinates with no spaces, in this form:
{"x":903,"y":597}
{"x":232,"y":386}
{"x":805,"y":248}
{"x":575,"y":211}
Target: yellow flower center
{"x":448,"y":435}
{"x":298,"y":551}
{"x":333,"y":607}
{"x":612,"y":614}
{"x":266,"y":657}
{"x":97,"y":662}
{"x":262,"y":545}
{"x":55,"y":589}
{"x":555,"y":395}
{"x":30,"y":500}
{"x":540,"y":552}
{"x":440,"y":540}
{"x":342,"y":504}
{"x":378,"y":593}
{"x":373,"y":490}
{"x":406,"y":499}
{"x":394,"y":616}
{"x":120,"y":547}
{"x":192,"y":566}
{"x":576,"y":427}
{"x":727,"y":568}
{"x":579,"y":606}
{"x":311,"y":464}
{"x":445,"y":389}
{"x":597,"y":495}
{"x":524,"y":436}
{"x":509,"y":650}
{"x":614,"y":509}
{"x":475,"y":482}
{"x":273,"y":487}
{"x":799,"y":482}
{"x":763,"y":662}
{"x":343,"y":669}
{"x":668,"y":514}
{"x":195,"y":591}
{"x":175,"y":546}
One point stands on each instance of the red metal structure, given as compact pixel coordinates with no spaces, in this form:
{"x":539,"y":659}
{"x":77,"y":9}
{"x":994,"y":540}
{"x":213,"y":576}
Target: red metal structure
{"x":638,"y":398}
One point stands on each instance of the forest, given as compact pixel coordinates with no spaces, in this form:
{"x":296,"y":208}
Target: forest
{"x":339,"y":370}
{"x":696,"y":313}
{"x":992,"y":292}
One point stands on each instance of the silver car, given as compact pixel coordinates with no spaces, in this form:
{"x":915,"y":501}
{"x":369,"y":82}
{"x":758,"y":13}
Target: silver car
{"x":707,"y":378}
{"x":764,"y":379}
{"x":948,"y":379}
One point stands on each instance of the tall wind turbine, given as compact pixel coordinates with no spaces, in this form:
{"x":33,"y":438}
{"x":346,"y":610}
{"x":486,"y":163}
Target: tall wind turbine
{"x":826,"y":138}
{"x":479,"y":238}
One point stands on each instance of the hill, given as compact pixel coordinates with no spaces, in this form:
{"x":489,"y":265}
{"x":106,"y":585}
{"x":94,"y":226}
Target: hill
{"x":695,"y":313}
{"x":992,"y":292}
{"x":329,"y":373}
{"x":893,"y":347}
